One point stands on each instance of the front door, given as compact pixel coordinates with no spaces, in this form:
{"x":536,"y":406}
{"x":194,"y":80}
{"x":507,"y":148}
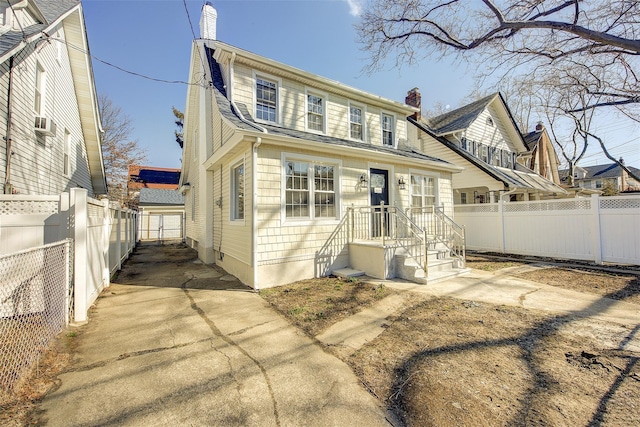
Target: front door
{"x":379,"y":191}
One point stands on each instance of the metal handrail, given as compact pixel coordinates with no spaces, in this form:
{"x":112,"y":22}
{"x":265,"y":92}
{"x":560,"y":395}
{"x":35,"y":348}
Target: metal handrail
{"x":417,"y":238}
{"x":451,"y":235}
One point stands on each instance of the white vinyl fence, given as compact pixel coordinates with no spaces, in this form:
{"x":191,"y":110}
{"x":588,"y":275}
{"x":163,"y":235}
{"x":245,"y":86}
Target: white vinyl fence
{"x":598,"y":229}
{"x":103,"y":236}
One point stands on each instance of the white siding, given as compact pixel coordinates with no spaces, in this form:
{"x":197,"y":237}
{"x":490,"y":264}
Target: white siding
{"x":37,"y":163}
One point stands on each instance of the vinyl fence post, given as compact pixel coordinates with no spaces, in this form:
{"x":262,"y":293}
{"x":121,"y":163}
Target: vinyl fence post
{"x":119,"y":237}
{"x":63,"y":211}
{"x":501,"y":240}
{"x":596,"y":233}
{"x":81,"y":261}
{"x":106,"y":236}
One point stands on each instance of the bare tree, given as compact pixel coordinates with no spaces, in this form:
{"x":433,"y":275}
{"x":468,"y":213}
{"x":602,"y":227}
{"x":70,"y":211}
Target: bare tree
{"x":118,"y":149}
{"x":590,"y":47}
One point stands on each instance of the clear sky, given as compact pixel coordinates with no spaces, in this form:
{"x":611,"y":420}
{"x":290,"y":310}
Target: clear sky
{"x":153,"y":38}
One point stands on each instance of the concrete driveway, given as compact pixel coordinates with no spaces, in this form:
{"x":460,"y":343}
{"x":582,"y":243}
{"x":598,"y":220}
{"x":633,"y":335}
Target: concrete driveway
{"x":175,"y":342}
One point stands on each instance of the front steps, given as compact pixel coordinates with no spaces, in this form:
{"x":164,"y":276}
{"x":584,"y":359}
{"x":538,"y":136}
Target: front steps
{"x":440,"y":267}
{"x":392,"y":261}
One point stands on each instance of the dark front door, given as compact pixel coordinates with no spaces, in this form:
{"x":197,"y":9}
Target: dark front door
{"x":379,"y":190}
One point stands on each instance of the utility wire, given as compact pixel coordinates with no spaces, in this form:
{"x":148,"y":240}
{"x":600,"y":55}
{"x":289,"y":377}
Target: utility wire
{"x":133,"y":73}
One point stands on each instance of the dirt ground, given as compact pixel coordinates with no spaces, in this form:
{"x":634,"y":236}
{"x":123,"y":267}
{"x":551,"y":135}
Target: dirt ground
{"x":448,"y":362}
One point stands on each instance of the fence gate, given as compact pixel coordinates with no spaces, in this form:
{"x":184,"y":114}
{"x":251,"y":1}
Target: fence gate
{"x":166,"y":226}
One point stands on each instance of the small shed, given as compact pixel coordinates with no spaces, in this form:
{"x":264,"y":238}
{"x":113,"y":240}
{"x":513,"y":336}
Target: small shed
{"x":161,"y":214}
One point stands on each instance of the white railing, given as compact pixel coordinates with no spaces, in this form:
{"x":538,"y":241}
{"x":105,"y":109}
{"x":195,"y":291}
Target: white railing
{"x":598,"y":229}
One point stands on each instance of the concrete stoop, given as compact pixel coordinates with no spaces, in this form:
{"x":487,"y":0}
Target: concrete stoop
{"x":440,"y":267}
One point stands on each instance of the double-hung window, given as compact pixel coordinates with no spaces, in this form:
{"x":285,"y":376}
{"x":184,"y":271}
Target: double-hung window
{"x":237,"y":192}
{"x":315,"y":112}
{"x":266,"y":100}
{"x":423,"y":191}
{"x":310,"y":190}
{"x":387,"y":130}
{"x":356,"y":123}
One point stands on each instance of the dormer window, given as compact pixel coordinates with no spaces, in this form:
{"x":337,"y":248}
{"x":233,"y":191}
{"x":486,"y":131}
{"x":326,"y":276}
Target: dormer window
{"x":315,"y":112}
{"x":356,"y":123}
{"x":489,"y":121}
{"x":388,"y":136}
{"x":266,"y":100}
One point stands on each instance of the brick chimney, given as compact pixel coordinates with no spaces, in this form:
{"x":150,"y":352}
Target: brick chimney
{"x":414,"y":99}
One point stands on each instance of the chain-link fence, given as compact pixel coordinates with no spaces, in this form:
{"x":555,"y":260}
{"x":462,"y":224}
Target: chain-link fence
{"x":35,"y":305}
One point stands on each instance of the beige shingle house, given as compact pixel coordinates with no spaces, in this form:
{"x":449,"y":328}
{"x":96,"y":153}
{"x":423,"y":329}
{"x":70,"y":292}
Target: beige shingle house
{"x":284,"y":173}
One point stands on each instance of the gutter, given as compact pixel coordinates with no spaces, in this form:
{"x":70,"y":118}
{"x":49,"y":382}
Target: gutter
{"x":254,"y":211}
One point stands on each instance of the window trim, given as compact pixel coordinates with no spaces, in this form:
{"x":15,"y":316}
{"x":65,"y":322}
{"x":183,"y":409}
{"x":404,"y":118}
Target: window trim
{"x":394,"y":130}
{"x":337,"y":187}
{"x":363,"y":116}
{"x":322,"y":95}
{"x":233,"y":195}
{"x":40,"y":90}
{"x":278,"y":108}
{"x":66,"y":154}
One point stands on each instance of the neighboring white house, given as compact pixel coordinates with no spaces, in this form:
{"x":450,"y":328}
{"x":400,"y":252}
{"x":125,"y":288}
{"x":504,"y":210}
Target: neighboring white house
{"x":484,"y":139}
{"x":274,"y":158}
{"x":49,"y":118}
{"x":161,"y":214}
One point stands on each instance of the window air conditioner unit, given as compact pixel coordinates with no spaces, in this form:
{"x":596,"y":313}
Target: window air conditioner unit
{"x":45,"y":126}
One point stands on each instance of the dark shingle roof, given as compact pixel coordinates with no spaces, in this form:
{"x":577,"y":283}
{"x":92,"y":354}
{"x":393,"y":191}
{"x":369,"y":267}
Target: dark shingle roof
{"x":611,"y":170}
{"x":156,"y":196}
{"x":520,"y":177}
{"x":460,"y":118}
{"x":227,"y":110}
{"x":51,"y":10}
{"x":531,"y":139}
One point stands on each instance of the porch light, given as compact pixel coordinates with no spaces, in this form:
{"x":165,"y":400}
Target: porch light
{"x":401,"y":184}
{"x":363,"y":179}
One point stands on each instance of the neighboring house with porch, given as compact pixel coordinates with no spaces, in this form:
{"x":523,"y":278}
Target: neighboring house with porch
{"x":609,"y":176}
{"x":483,"y":138}
{"x":161,"y":214}
{"x":49,"y":117}
{"x":284,"y":171}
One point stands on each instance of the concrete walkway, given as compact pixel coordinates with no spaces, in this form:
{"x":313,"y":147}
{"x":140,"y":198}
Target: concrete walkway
{"x":180,"y":343}
{"x":499,"y":287}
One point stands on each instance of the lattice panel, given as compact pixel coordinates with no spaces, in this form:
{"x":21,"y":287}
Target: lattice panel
{"x":28,"y":207}
{"x":476,"y":208}
{"x":95,"y":211}
{"x":630,"y":203}
{"x":560,"y":205}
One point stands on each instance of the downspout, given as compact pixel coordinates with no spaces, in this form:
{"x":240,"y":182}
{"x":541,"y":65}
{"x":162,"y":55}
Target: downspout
{"x":7,"y":181}
{"x":254,"y":211}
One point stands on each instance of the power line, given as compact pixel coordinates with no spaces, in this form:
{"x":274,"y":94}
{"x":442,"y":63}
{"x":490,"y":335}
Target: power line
{"x":124,"y":70}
